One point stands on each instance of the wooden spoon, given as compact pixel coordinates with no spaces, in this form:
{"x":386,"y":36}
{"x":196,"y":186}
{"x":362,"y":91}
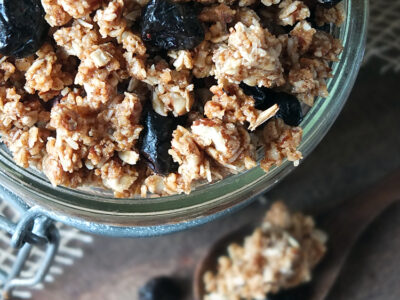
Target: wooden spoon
{"x":344,"y":225}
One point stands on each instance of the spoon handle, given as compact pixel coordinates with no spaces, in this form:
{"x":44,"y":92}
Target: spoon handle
{"x":345,"y":224}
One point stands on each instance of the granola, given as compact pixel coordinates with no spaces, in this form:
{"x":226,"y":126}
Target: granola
{"x":74,"y":108}
{"x":280,"y":254}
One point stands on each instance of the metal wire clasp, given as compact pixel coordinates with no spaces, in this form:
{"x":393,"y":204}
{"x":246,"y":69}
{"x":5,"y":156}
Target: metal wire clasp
{"x":33,"y":229}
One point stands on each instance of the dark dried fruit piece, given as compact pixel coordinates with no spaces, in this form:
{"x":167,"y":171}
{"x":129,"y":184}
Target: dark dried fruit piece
{"x":171,"y":26}
{"x":261,"y":95}
{"x":298,"y":293}
{"x":289,"y":107}
{"x":23,"y":28}
{"x":328,"y":3}
{"x":156,"y":141}
{"x":160,"y":288}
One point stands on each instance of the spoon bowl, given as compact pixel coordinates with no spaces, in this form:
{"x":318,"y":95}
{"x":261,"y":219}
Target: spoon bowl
{"x":210,"y":260}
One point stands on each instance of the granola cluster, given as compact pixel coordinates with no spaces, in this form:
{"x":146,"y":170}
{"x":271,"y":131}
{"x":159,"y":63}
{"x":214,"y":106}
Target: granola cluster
{"x":74,"y":109}
{"x":280,"y":254}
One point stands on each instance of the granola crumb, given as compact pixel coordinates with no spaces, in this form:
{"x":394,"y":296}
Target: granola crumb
{"x":335,"y":15}
{"x":292,"y":11}
{"x":251,"y":55}
{"x":280,"y":254}
{"x":281,"y":142}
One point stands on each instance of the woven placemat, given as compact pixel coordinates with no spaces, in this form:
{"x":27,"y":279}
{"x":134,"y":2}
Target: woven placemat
{"x":72,"y":244}
{"x":383,"y":41}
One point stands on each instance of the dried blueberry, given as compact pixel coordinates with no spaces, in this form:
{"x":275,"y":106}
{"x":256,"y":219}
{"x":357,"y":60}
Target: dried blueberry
{"x":298,"y":293}
{"x":289,"y":107}
{"x":160,"y":288}
{"x":171,"y":26}
{"x":328,"y":3}
{"x":261,"y":95}
{"x":23,"y":28}
{"x":156,"y":141}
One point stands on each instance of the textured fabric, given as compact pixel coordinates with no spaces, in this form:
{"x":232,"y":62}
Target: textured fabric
{"x":384,"y":34}
{"x":72,"y":244}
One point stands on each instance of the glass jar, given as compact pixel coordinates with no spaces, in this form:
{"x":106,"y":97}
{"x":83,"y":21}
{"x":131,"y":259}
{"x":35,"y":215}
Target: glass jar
{"x":97,"y":211}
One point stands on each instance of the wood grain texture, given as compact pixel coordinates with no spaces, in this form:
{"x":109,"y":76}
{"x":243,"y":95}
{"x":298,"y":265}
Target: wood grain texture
{"x":345,"y":225}
{"x":372,"y":269}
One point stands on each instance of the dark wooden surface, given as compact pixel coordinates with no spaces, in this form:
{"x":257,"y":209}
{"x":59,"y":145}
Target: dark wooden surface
{"x":362,"y":146}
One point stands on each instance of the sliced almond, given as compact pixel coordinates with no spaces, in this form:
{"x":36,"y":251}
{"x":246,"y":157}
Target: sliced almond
{"x":264,"y":116}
